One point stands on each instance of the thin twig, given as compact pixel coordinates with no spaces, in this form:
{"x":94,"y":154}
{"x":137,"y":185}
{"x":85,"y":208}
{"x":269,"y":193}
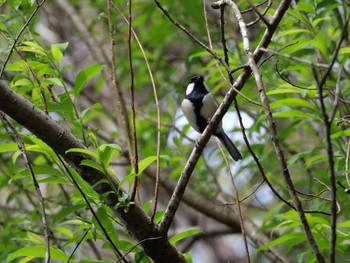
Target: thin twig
{"x":347,"y":165}
{"x":78,"y":244}
{"x":273,"y":130}
{"x":303,"y":61}
{"x":122,"y":118}
{"x":155,"y":93}
{"x":261,"y":16}
{"x":20,"y":32}
{"x":250,"y":9}
{"x":288,"y":81}
{"x":336,"y":95}
{"x":224,"y":47}
{"x":135,"y":158}
{"x":244,"y":198}
{"x":238,"y":202}
{"x":257,"y":161}
{"x":194,"y":38}
{"x":22,"y":148}
{"x":138,"y":243}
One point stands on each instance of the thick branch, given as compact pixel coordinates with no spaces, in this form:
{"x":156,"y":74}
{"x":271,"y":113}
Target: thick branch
{"x":135,"y":220}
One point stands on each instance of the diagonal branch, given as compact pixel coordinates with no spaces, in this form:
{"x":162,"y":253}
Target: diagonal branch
{"x":60,"y":140}
{"x":214,"y":122}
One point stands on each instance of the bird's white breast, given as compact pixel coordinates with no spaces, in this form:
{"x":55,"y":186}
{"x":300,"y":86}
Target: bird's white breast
{"x":188,"y":110}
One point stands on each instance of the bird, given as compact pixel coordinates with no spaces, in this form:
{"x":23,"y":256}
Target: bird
{"x":199,"y":106}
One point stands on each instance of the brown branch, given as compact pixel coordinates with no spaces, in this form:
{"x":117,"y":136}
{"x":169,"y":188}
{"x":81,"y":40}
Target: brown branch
{"x":135,"y":220}
{"x":214,"y":122}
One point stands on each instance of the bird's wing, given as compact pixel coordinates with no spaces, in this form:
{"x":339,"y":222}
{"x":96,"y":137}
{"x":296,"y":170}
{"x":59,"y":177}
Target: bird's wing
{"x":209,"y":107}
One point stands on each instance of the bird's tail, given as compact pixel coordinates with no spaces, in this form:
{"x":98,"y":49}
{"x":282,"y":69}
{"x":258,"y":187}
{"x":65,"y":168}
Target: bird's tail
{"x":231,"y":148}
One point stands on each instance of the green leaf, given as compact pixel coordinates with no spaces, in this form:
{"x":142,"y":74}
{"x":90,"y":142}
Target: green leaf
{"x":176,"y":238}
{"x":344,"y":50}
{"x":92,"y":164}
{"x":37,"y":252}
{"x":53,"y":81}
{"x":295,"y":113}
{"x":8,"y":147}
{"x":315,"y":159}
{"x":93,"y":138}
{"x":84,"y":76}
{"x":65,"y":212}
{"x":338,"y":134}
{"x":30,"y":46}
{"x":61,"y":46}
{"x":107,"y":152}
{"x":65,"y":231}
{"x":143,"y":164}
{"x":345,"y":224}
{"x":54,"y":180}
{"x":320,"y":42}
{"x":291,"y":102}
{"x":306,"y":7}
{"x":106,"y":222}
{"x":36,"y":239}
{"x":296,"y":238}
{"x":81,"y":150}
{"x":56,"y":53}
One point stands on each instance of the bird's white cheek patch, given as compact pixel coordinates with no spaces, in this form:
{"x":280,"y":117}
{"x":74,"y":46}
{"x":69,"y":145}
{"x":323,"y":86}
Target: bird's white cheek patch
{"x":188,"y":110}
{"x":189,"y":88}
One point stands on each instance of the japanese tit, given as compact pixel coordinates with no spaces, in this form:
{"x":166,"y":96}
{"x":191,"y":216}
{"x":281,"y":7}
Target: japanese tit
{"x":199,"y":107}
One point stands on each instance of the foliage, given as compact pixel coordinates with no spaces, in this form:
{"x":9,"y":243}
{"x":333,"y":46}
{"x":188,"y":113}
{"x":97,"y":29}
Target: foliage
{"x":59,"y":72}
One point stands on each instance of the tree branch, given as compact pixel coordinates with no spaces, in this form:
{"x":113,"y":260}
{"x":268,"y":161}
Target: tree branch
{"x":214,"y":122}
{"x":60,"y":140}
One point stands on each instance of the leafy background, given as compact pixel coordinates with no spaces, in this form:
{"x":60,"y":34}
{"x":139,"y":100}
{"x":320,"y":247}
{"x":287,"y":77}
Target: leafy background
{"x":60,"y":63}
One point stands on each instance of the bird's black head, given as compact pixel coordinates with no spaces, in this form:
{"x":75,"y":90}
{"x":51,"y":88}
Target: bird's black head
{"x":196,"y":79}
{"x":196,"y":85}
